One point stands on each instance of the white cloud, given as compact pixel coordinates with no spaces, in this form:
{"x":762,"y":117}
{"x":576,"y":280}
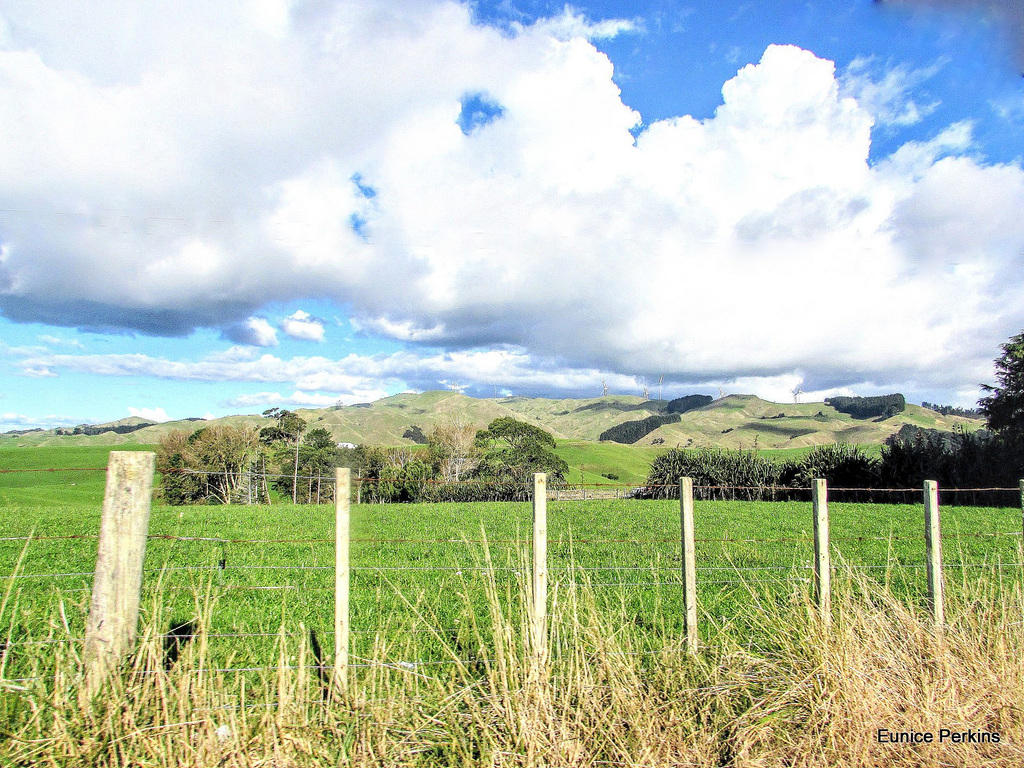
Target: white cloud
{"x":234,"y":354}
{"x":179,"y":192}
{"x":254,"y":331}
{"x":18,"y":421}
{"x":571,"y":24}
{"x":354,"y":378}
{"x":151,"y":414}
{"x":305,"y":399}
{"x":886,"y":95}
{"x":320,"y":382}
{"x":37,"y":371}
{"x":57,"y":341}
{"x":302,"y":325}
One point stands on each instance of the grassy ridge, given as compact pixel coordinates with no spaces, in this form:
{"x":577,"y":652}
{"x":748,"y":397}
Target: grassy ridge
{"x":729,"y":422}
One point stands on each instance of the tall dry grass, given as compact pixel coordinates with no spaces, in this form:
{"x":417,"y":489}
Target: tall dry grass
{"x":607,"y":693}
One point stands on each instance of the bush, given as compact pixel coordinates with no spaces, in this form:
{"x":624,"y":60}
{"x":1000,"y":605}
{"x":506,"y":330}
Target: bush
{"x":841,"y":464}
{"x":716,"y":474}
{"x":213,"y":465}
{"x":957,"y":459}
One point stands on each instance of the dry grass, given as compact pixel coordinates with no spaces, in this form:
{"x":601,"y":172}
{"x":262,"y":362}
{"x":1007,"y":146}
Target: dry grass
{"x":812,"y":696}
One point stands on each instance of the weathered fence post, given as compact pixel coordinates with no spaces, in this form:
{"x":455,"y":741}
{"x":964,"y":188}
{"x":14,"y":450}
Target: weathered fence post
{"x":822,"y":560}
{"x":341,"y":577}
{"x":689,"y":561}
{"x":540,"y":564}
{"x":114,"y":611}
{"x":933,"y":549}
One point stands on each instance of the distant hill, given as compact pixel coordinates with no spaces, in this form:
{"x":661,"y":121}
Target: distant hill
{"x":737,"y":421}
{"x":730,"y":422}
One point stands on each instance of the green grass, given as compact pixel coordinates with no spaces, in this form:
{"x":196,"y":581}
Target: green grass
{"x":56,"y":488}
{"x":630,"y":462}
{"x":408,"y":560}
{"x":747,"y":692}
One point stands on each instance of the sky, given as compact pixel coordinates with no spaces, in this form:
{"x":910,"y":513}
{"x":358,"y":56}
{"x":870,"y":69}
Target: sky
{"x":210,"y":208}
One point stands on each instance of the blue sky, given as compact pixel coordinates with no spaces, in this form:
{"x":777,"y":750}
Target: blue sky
{"x":215,"y":208}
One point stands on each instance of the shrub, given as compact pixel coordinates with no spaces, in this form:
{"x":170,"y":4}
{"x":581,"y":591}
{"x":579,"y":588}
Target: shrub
{"x":841,"y":464}
{"x":716,"y":474}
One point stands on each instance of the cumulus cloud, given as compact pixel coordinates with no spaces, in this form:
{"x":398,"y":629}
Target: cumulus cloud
{"x":254,"y":331}
{"x":302,"y":325}
{"x":320,"y":381}
{"x":150,"y":414}
{"x":746,"y":246}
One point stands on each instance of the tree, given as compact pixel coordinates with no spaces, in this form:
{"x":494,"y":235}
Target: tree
{"x":453,"y":451}
{"x":316,"y":460}
{"x":289,"y":428}
{"x":1004,"y":407}
{"x":213,"y":464}
{"x":513,"y":450}
{"x":397,"y":474}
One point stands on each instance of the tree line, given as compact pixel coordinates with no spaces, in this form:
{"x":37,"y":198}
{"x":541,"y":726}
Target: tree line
{"x":908,"y":458}
{"x":988,"y":458}
{"x":286,"y":459}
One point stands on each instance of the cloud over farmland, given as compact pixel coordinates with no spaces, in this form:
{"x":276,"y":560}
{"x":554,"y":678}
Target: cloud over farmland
{"x":281,"y":153}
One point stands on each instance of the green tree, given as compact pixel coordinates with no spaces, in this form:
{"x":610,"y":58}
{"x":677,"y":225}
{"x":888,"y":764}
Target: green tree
{"x":288,"y":429}
{"x":1004,"y":407}
{"x":214,"y":464}
{"x":396,"y":474}
{"x":514,"y":450}
{"x":316,"y":461}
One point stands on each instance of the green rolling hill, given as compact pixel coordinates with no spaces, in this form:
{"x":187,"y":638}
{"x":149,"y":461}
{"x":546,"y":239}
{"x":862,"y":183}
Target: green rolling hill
{"x":733,"y":421}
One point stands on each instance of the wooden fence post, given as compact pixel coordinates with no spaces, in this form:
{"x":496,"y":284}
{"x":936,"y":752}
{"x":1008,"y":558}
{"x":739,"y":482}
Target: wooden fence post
{"x":540,"y":564}
{"x":1022,"y":517}
{"x":689,"y":562}
{"x":114,"y":610}
{"x":822,"y":559}
{"x":933,"y":549}
{"x":342,"y":491}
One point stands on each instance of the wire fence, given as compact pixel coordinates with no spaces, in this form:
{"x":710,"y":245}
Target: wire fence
{"x":564,"y":489}
{"x":568,"y":569}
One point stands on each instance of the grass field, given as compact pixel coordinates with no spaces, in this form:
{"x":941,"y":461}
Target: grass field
{"x":407,"y":558}
{"x":431,"y":600}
